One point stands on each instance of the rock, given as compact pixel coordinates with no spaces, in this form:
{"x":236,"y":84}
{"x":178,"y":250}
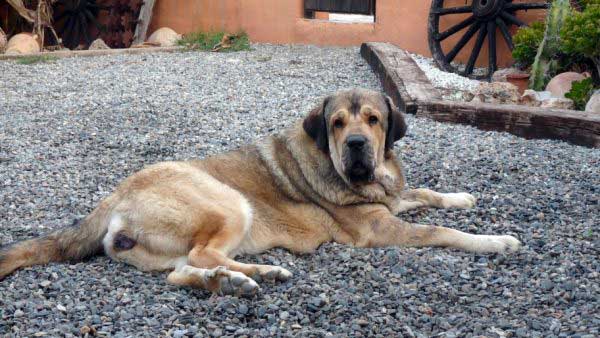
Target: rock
{"x":164,"y":37}
{"x":500,"y":75}
{"x":533,"y":98}
{"x":3,"y":40}
{"x":98,"y":44}
{"x":561,"y":83}
{"x":496,"y":92}
{"x":23,"y":43}
{"x":593,"y":105}
{"x":559,"y":103}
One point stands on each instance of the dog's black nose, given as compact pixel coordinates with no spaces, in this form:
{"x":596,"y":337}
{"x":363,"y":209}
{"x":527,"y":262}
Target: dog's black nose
{"x":356,"y":142}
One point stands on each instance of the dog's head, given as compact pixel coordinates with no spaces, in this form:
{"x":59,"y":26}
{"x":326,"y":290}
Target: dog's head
{"x":356,"y":129}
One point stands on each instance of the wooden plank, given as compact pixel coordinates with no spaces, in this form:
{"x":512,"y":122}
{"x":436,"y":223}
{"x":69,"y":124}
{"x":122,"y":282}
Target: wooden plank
{"x":408,"y":86}
{"x":141,"y":29}
{"x":529,"y":122}
{"x":402,"y":79}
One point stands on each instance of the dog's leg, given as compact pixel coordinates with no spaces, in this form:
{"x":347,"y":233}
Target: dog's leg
{"x":417,"y":198}
{"x":218,"y":280}
{"x":388,"y":230}
{"x":212,"y":256}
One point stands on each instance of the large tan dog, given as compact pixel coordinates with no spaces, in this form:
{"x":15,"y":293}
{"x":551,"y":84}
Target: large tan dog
{"x":332,"y":177}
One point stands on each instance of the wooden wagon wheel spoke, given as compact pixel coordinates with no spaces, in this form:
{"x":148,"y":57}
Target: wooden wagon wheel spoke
{"x":79,"y":14}
{"x":455,"y":29}
{"x":525,"y":6}
{"x":505,"y":33}
{"x":462,"y":42}
{"x":491,"y":31}
{"x":483,"y":16}
{"x":453,"y":10}
{"x":512,"y":19}
{"x":476,"y":50}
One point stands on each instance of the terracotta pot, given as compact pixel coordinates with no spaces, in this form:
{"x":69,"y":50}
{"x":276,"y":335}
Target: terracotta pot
{"x":519,"y":80}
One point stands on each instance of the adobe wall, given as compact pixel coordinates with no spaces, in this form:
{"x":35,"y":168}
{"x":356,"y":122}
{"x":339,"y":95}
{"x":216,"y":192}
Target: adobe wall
{"x":401,"y":22}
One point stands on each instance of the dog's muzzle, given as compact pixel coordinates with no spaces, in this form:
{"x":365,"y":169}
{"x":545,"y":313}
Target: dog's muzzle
{"x":358,"y":159}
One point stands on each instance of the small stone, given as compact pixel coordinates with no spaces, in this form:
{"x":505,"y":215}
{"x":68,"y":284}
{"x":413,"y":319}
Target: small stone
{"x":61,"y":308}
{"x":361,"y":322}
{"x":547,"y":285}
{"x":45,"y":283}
{"x":500,"y":75}
{"x":284,"y":315}
{"x":18,"y":313}
{"x":98,"y":44}
{"x":296,"y":326}
{"x":179,"y":333}
{"x":558,"y":103}
{"x":496,"y":92}
{"x":534,"y":98}
{"x":242,"y":309}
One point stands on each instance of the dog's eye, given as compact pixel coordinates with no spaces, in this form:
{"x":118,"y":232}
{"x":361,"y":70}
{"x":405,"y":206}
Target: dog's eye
{"x":373,"y":120}
{"x":338,"y":123}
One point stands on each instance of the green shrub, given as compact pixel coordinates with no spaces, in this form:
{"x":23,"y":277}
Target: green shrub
{"x":586,"y":3}
{"x":581,"y":34}
{"x":207,"y":41}
{"x":580,"y":93}
{"x":527,"y":40}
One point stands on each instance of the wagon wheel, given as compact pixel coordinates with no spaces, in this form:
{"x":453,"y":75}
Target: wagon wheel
{"x":483,"y":17}
{"x":74,"y":19}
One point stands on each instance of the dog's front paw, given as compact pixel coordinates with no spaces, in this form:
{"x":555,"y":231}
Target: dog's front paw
{"x":460,"y":200}
{"x":499,"y":244}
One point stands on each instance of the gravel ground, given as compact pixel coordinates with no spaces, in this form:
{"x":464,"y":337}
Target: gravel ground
{"x":72,"y":129}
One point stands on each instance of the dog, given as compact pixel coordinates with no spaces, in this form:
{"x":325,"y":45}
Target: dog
{"x":331,"y":177}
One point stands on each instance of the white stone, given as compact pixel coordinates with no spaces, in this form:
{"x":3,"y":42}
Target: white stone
{"x":593,"y":105}
{"x":164,"y":37}
{"x":23,"y":43}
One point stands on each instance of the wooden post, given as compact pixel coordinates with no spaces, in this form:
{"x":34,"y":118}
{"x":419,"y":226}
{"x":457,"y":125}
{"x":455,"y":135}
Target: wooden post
{"x":141,"y":29}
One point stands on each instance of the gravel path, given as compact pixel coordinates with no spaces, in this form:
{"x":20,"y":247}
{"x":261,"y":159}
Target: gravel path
{"x":72,"y":129}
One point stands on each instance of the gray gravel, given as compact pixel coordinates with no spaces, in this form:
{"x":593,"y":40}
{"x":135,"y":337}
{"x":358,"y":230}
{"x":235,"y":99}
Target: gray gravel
{"x":72,"y":129}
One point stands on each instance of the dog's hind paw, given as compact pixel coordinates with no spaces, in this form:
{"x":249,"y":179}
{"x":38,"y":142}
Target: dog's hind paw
{"x":459,"y":200}
{"x":234,"y":283}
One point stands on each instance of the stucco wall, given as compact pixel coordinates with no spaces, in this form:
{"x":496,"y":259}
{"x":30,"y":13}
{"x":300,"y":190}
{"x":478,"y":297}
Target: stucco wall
{"x":402,"y":22}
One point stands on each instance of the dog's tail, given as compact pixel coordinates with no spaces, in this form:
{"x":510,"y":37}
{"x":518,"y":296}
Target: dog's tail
{"x":71,"y":243}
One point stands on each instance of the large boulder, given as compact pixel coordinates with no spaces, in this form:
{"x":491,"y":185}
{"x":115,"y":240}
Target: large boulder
{"x":593,"y":105}
{"x":164,"y":37}
{"x":23,"y":43}
{"x":496,"y":92}
{"x":561,"y":83}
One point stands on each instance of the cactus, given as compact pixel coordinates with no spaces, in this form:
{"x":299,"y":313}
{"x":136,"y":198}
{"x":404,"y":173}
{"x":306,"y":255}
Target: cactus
{"x":544,"y":64}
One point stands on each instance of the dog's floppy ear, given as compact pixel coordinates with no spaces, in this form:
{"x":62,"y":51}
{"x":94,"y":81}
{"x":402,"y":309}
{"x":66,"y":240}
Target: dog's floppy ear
{"x":396,"y":125}
{"x":316,"y":126}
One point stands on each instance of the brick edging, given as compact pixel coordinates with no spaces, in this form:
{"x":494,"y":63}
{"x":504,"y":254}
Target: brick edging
{"x":400,"y":79}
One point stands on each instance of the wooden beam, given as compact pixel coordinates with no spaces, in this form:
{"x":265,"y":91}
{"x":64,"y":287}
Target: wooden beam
{"x":141,"y":29}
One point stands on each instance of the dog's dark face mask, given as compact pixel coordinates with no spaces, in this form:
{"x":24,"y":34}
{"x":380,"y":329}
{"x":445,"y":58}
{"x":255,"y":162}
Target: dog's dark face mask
{"x":356,"y":129}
